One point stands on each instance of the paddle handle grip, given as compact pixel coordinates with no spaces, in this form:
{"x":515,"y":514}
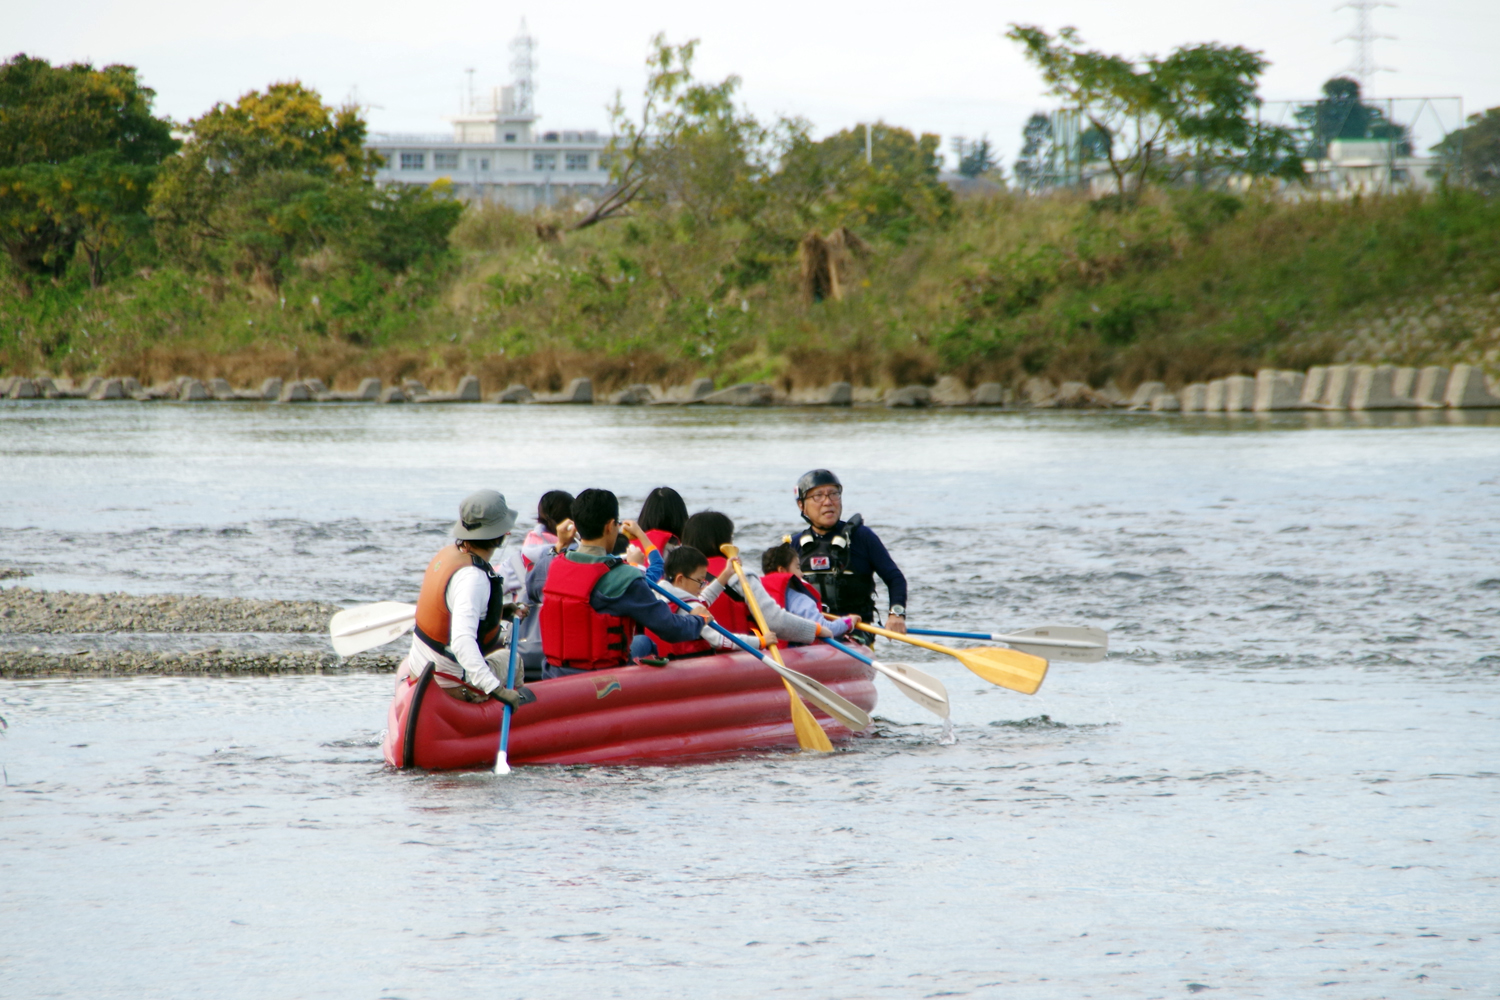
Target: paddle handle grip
{"x":712,"y":624}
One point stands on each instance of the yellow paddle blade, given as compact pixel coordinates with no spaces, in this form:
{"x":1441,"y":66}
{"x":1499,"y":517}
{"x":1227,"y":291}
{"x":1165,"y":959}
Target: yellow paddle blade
{"x":810,"y":735}
{"x":1008,"y":668}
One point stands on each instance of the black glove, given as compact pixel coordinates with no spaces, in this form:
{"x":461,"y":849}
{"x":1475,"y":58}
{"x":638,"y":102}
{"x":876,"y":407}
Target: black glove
{"x":506,"y":695}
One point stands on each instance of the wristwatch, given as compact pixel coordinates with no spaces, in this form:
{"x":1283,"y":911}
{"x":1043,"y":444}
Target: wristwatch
{"x":899,"y":610}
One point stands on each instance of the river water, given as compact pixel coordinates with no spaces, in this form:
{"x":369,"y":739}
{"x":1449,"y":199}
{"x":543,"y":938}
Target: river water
{"x":1284,"y":781}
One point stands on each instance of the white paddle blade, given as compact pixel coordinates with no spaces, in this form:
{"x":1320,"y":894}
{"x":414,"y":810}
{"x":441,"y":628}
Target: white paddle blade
{"x":1076,"y":644}
{"x":849,"y":715}
{"x":918,"y":685}
{"x":356,"y":630}
{"x":502,"y":766}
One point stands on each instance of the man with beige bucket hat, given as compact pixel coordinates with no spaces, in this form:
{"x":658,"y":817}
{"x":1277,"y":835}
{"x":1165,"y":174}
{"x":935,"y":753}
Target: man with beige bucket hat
{"x":462,"y":604}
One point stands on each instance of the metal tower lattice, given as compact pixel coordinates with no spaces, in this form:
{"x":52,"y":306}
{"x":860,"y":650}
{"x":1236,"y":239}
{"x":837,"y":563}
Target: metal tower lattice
{"x":523,"y":64}
{"x":1364,"y":36}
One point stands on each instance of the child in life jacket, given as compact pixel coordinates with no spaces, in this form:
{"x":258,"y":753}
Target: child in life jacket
{"x":551,"y":509}
{"x":685,"y":573}
{"x":662,"y":518}
{"x":781,"y":575}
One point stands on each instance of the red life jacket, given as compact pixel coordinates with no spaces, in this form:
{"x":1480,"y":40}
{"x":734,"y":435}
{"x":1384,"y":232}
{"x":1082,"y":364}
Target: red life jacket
{"x":693,"y":647}
{"x":728,"y":610}
{"x":776,"y":584}
{"x":573,"y":633}
{"x":435,"y":621}
{"x":659,"y":538}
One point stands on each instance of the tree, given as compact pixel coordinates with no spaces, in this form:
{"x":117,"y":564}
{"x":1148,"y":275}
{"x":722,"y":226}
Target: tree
{"x":1031,"y":165}
{"x":976,"y":158}
{"x":279,"y":175}
{"x":1160,"y":119}
{"x":1475,"y":150}
{"x":691,"y":147}
{"x":78,"y":150}
{"x":1342,"y":114}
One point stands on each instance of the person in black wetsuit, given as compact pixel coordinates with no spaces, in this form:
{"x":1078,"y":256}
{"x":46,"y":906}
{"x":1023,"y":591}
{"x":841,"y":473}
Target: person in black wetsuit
{"x":842,"y":558}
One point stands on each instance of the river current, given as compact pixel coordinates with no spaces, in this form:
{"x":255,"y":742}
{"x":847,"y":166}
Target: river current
{"x":1284,"y":781}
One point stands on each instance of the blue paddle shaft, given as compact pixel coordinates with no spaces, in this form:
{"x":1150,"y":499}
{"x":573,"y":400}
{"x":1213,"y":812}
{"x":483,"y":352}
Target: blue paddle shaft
{"x":950,"y":635}
{"x":713,"y":624}
{"x":510,"y":682}
{"x":846,"y":649}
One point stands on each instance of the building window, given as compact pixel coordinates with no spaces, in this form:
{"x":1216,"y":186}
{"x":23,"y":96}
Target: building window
{"x":544,"y":161}
{"x":577,"y":161}
{"x":479,"y":163}
{"x":510,"y":137}
{"x":444,"y":161}
{"x":413,"y":161}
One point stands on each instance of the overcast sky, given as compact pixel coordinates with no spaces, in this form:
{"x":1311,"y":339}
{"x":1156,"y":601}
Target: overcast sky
{"x":940,"y":66}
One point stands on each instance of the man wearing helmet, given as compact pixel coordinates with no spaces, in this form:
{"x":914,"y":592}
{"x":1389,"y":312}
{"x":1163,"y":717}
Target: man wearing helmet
{"x":842,"y":558}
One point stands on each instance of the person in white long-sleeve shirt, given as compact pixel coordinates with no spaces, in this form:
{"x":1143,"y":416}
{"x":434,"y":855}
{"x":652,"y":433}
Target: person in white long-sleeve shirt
{"x":462,"y":604}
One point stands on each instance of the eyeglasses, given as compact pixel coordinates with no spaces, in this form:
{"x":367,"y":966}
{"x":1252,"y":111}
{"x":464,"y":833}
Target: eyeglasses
{"x":698,"y":580}
{"x":827,"y":496}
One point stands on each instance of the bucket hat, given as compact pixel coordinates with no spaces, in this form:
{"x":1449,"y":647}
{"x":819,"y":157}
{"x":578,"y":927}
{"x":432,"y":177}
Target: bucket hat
{"x":483,"y":516}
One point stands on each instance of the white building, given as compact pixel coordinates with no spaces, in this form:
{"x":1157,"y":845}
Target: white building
{"x":495,"y":152}
{"x":1370,"y":166}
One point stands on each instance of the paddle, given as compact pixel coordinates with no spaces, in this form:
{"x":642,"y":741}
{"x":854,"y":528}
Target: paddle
{"x":850,"y":715}
{"x":920,"y":686}
{"x":355,"y":630}
{"x":810,"y":735}
{"x":502,"y":765}
{"x":1058,"y":642}
{"x":1007,"y":668}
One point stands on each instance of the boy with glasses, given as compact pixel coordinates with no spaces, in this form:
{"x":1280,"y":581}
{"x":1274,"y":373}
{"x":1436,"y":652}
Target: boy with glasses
{"x":842,"y":558}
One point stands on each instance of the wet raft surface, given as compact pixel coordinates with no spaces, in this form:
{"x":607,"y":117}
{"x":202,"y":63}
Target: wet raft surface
{"x":1282,"y":783}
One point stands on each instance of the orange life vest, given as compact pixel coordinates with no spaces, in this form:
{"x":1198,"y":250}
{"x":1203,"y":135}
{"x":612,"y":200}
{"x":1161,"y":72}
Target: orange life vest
{"x":693,"y":647}
{"x":435,"y":620}
{"x":728,"y":609}
{"x":573,"y":633}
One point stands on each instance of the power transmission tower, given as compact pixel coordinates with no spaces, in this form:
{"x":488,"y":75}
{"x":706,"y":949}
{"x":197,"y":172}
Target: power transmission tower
{"x":1364,"y":36}
{"x":522,"y":64}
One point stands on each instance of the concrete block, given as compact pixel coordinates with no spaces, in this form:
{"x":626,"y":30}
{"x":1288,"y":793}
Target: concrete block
{"x":193,"y":391}
{"x":295,"y":392}
{"x":315,"y":386}
{"x":221,"y":389}
{"x":744,"y":394}
{"x":22,"y":388}
{"x":1374,"y":389}
{"x":5,"y":382}
{"x":1432,"y":386}
{"x":1193,"y":398}
{"x":1278,"y":390}
{"x":1239,"y":393}
{"x":1165,"y":402}
{"x":1078,"y":396}
{"x":987,"y":394}
{"x":909,"y":395}
{"x":391,"y":394}
{"x":90,"y":384}
{"x":45,"y":388}
{"x":951,"y":391}
{"x":1338,"y":386}
{"x":1146,"y":392}
{"x":369,"y":390}
{"x":1404,"y":384}
{"x":632,"y":395}
{"x":1467,"y":390}
{"x":699,"y":388}
{"x":109,"y":388}
{"x":839,"y":394}
{"x":413,"y":389}
{"x":1312,"y":388}
{"x":1040,"y":393}
{"x":1111,"y":392}
{"x":467,"y":390}
{"x":270,"y":389}
{"x":515,"y":393}
{"x":579,"y":390}
{"x":1213,"y":398}
{"x":130,"y":384}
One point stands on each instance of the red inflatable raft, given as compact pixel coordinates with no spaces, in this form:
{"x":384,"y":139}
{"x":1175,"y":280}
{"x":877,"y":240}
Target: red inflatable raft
{"x":696,"y":707}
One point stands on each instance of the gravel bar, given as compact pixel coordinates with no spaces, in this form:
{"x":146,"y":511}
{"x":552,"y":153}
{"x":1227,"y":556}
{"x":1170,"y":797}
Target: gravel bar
{"x":25,"y":610}
{"x":211,"y":663}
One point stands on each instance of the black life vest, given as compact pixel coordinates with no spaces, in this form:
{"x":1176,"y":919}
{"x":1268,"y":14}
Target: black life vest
{"x":825,"y":565}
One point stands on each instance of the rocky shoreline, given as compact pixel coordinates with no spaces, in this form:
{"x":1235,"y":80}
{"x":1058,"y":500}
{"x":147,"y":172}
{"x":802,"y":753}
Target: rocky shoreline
{"x":206,"y":663}
{"x":24,"y":611}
